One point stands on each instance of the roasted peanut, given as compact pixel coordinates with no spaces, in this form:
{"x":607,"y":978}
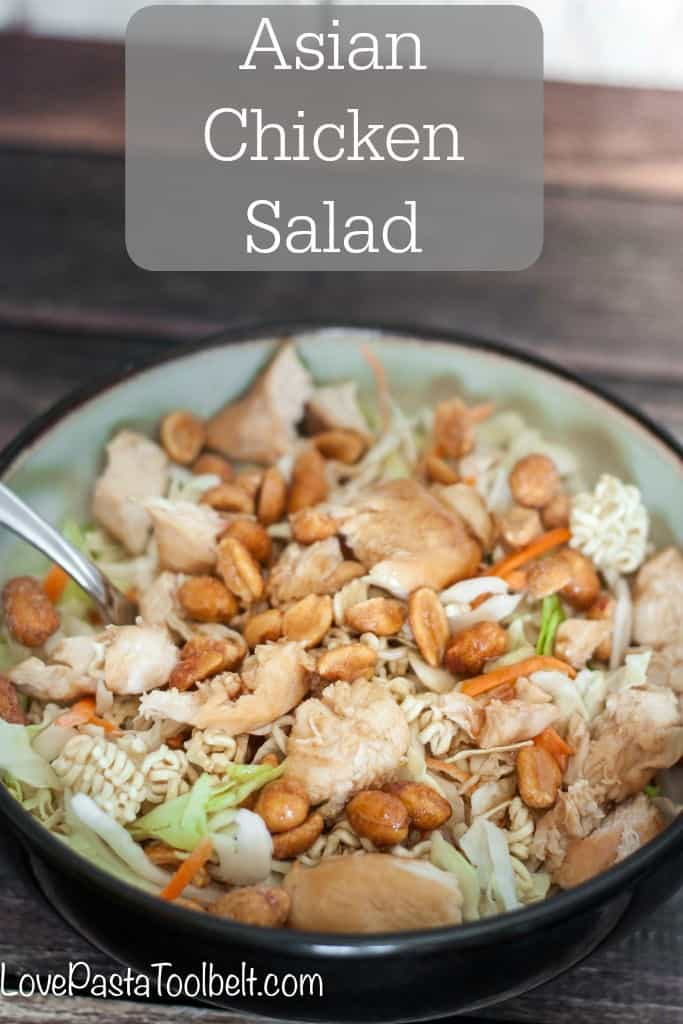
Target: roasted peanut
{"x":429,"y":624}
{"x":253,"y":536}
{"x":583,"y":586}
{"x":228,"y":497}
{"x":349,"y":662}
{"x":206,"y":599}
{"x":379,"y":615}
{"x":538,"y":777}
{"x":438,"y":471}
{"x":283,"y":805}
{"x":264,"y":626}
{"x":534,"y":481}
{"x":548,"y":575}
{"x":453,"y":433}
{"x":214,"y":465}
{"x":426,"y":808}
{"x":183,"y":436}
{"x":341,"y":444}
{"x":30,"y":616}
{"x":254,"y":904}
{"x":309,"y":481}
{"x":272,"y":498}
{"x":556,"y":512}
{"x":308,"y":620}
{"x":202,"y":657}
{"x":250,"y":481}
{"x":603,"y":608}
{"x":297,"y":840}
{"x":343,"y":574}
{"x":519,"y":525}
{"x":378,"y":816}
{"x":309,"y":525}
{"x":474,"y":646}
{"x":10,"y":708}
{"x":239,"y":571}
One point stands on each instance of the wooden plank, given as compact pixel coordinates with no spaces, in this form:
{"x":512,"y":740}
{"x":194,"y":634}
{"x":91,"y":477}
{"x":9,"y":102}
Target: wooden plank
{"x":596,"y":136}
{"x":605,"y":292}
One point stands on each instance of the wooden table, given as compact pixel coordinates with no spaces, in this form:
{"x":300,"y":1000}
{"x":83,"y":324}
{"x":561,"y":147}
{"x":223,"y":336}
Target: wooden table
{"x":605,"y":299}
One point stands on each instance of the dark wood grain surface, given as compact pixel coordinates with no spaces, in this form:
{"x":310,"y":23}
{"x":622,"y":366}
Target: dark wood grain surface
{"x":606,"y":299}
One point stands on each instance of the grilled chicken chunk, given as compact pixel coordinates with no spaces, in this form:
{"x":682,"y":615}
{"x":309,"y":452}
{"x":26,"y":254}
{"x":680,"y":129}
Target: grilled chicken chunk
{"x":372,"y":893}
{"x":409,"y":539}
{"x":658,"y":600}
{"x":186,"y":535}
{"x":137,"y":469}
{"x":350,"y":739}
{"x":260,"y":426}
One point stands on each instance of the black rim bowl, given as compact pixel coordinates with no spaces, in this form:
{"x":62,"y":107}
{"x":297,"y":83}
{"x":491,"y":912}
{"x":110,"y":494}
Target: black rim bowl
{"x":312,"y":946}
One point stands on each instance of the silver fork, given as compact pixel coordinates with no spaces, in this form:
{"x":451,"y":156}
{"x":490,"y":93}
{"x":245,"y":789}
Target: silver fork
{"x":18,"y":517}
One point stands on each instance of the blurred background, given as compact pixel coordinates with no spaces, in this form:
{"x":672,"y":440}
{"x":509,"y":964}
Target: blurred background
{"x":624,"y":42}
{"x":605,"y":300}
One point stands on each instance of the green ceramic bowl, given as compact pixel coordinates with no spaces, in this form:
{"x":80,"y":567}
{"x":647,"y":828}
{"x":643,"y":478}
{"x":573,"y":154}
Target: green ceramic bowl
{"x":413,"y":975}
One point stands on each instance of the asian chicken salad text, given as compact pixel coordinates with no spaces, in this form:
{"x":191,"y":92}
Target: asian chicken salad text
{"x":389,"y":672}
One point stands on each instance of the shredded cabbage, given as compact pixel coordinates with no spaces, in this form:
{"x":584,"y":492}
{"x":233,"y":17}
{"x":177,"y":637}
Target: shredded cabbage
{"x":445,"y":856}
{"x":186,"y":820}
{"x":18,"y":757}
{"x":551,"y":617}
{"x":244,"y":850}
{"x":486,"y":847}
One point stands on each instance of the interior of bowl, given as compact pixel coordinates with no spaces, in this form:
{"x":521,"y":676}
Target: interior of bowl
{"x":55,"y":472}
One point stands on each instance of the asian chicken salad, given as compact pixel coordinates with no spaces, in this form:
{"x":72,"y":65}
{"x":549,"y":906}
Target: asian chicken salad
{"x":389,"y":672}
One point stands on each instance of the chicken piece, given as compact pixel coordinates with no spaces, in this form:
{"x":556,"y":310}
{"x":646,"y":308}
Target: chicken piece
{"x":409,"y":539}
{"x":351,"y":738}
{"x":639,"y":732}
{"x":666,"y":667}
{"x":10,"y":707}
{"x":372,"y":893}
{"x":184,"y":706}
{"x":137,"y":469}
{"x":334,"y":407}
{"x":463,"y":710}
{"x":58,"y":683}
{"x":186,"y":535}
{"x":468,"y":503}
{"x":530,"y":693}
{"x":577,"y":640}
{"x":578,"y":738}
{"x":305,"y":569}
{"x":276,"y":678}
{"x":511,"y":721}
{"x":575,"y":814}
{"x":625,"y":830}
{"x":260,"y":426}
{"x":158,"y":603}
{"x":658,"y":599}
{"x":137,"y":658}
{"x":84,"y":654}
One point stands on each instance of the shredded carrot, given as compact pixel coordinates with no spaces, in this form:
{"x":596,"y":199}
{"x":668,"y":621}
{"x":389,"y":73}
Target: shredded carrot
{"x":471,"y":481}
{"x":555,"y":745}
{"x":381,"y":384}
{"x":480,"y":600}
{"x":83,"y":713}
{"x":547,"y":541}
{"x":509,"y":673}
{"x":187,"y":870}
{"x":55,"y":582}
